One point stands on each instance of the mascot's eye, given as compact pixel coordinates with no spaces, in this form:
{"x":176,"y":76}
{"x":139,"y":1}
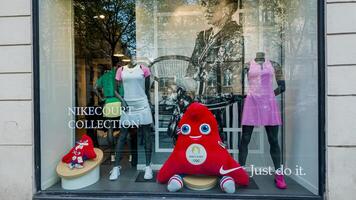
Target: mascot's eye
{"x":185,"y":130}
{"x":205,"y":129}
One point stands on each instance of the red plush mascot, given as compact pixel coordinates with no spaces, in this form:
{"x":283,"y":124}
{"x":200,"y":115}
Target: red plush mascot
{"x":200,"y":151}
{"x":84,"y":150}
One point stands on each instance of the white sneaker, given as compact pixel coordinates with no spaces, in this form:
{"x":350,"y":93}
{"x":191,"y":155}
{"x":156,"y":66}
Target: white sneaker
{"x":148,"y":173}
{"x":78,"y":166}
{"x":71,"y":165}
{"x":114,"y":173}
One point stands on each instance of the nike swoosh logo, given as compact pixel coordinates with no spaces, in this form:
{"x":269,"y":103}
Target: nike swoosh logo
{"x":223,"y":172}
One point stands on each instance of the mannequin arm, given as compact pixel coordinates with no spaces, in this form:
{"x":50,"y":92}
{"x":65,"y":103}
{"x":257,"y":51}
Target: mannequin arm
{"x":279,"y":78}
{"x":97,"y":92}
{"x":281,"y":87}
{"x":117,"y":83}
{"x":147,"y":88}
{"x":243,"y":78}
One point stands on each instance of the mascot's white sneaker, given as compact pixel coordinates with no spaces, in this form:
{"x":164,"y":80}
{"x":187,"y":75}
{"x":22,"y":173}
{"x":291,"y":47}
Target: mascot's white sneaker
{"x":227,"y":184}
{"x":78,"y":166}
{"x":175,"y":183}
{"x":148,"y":173}
{"x":114,"y":173}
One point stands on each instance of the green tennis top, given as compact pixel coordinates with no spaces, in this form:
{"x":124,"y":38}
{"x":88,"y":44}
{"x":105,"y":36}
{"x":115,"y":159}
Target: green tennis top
{"x":107,"y":83}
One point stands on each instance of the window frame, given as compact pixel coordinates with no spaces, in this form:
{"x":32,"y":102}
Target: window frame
{"x":43,"y":194}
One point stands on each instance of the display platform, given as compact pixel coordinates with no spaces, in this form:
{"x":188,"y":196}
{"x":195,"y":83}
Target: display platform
{"x":72,"y":179}
{"x":127,"y":183}
{"x":200,"y":183}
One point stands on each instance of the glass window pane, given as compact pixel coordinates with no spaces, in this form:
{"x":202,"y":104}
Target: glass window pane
{"x":252,"y":63}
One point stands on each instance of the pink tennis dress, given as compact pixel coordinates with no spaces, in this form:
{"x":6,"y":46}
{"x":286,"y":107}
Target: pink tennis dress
{"x":260,"y":106}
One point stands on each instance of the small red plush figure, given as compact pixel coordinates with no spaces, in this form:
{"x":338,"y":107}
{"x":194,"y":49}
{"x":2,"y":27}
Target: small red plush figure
{"x":84,"y":150}
{"x":200,"y":151}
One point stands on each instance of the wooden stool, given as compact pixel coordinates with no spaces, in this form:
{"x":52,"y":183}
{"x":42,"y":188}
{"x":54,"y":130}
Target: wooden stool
{"x":73,"y":179}
{"x":200,"y":182}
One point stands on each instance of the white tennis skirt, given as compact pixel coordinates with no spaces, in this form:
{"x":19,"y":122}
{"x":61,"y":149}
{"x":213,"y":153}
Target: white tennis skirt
{"x":139,"y":113}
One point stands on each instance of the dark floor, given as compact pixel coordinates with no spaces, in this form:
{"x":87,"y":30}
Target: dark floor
{"x":127,"y":182}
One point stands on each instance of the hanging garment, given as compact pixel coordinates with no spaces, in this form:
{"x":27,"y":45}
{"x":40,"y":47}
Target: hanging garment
{"x":260,"y":106}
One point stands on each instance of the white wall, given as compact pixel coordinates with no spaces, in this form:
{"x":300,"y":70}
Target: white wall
{"x":16,"y":130}
{"x":57,"y":84}
{"x":341,"y":99}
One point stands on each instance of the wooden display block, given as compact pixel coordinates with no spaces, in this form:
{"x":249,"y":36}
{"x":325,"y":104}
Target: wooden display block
{"x":73,"y":179}
{"x":200,"y":182}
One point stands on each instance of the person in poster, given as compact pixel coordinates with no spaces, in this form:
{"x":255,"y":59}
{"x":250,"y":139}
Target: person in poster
{"x":217,"y":59}
{"x":218,"y":51}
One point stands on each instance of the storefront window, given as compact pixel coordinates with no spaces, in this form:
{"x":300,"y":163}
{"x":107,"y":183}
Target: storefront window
{"x":185,"y":96}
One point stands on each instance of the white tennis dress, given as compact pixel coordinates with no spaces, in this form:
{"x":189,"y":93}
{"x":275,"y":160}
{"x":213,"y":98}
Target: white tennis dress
{"x":133,"y":80}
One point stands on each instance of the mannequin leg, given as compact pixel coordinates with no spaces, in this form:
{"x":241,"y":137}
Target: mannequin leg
{"x":115,"y":172}
{"x":146,"y":133}
{"x":245,"y":140}
{"x":111,"y":139}
{"x":275,"y":150}
{"x":120,"y":145}
{"x":133,"y":143}
{"x":110,"y":136}
{"x":141,"y":138}
{"x":93,"y":135}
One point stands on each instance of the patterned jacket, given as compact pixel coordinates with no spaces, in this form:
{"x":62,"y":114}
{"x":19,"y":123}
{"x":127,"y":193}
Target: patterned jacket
{"x":217,"y":61}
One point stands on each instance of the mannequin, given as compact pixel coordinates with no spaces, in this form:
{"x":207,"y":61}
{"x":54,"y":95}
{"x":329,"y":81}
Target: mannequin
{"x":105,"y":88}
{"x":261,"y":109}
{"x":136,"y":81}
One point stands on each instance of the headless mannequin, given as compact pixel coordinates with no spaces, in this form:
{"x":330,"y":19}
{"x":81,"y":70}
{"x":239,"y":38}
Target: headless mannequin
{"x":272,"y":131}
{"x":144,"y":130}
{"x":99,"y":92}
